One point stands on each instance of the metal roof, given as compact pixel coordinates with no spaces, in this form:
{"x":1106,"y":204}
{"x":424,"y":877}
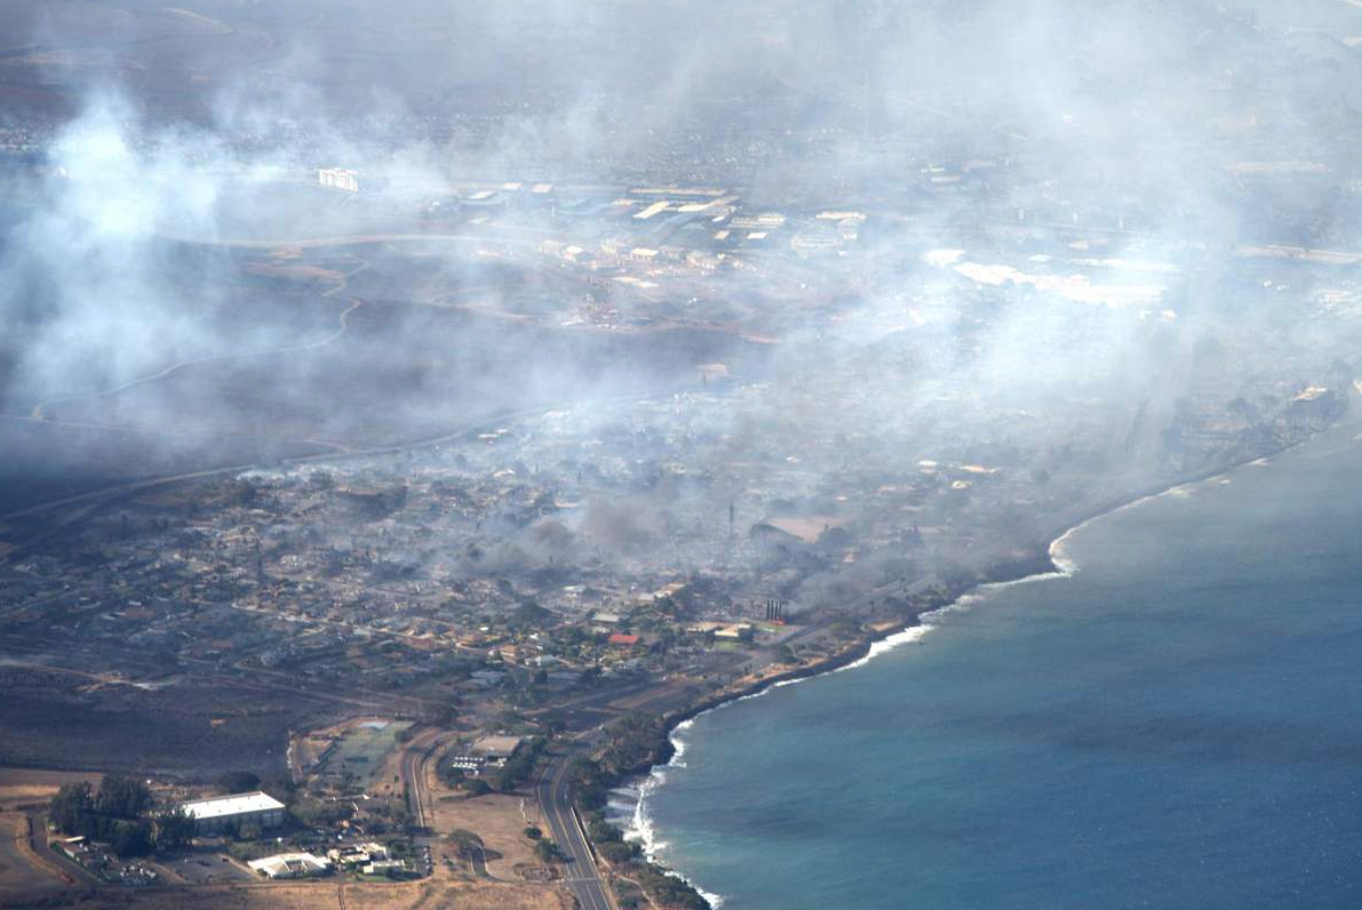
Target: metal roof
{"x":497,"y":746}
{"x":235,"y":804}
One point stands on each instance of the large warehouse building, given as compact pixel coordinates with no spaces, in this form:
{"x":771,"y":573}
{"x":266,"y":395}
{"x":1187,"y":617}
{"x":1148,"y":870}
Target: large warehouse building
{"x":213,"y":816}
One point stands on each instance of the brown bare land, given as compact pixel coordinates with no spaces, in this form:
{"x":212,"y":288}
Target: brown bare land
{"x":21,"y":870}
{"x":194,"y":726}
{"x":20,"y":786}
{"x":499,"y":819}
{"x":425,"y":895}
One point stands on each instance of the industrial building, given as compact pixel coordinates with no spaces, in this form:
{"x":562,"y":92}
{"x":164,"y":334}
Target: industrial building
{"x":490,"y":750}
{"x":497,"y":749}
{"x":213,"y":816}
{"x":337,"y":178}
{"x":354,"y":856}
{"x":290,"y":865}
{"x":469,"y":764}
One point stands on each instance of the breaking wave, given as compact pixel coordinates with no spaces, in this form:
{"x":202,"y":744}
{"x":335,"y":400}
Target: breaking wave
{"x":640,"y":826}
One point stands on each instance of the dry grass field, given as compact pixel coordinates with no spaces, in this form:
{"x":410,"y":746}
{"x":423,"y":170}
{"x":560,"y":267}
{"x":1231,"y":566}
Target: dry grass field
{"x":427,"y":895}
{"x":21,"y":870}
{"x":22,"y":786}
{"x":499,"y":819}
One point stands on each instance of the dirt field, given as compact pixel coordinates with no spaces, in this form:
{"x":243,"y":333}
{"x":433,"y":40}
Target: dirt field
{"x":21,"y":871}
{"x":22,"y":786}
{"x":429,"y":895}
{"x":199,"y":727}
{"x":368,"y":749}
{"x":351,"y":738}
{"x":496,"y":818}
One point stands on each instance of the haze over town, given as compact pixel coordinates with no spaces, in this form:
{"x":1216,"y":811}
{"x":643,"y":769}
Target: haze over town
{"x":410,"y":412}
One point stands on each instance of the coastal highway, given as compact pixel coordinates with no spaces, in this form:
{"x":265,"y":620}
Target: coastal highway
{"x":555,"y":800}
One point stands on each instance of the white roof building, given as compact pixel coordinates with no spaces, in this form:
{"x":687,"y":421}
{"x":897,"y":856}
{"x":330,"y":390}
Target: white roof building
{"x":338,"y":178}
{"x":214,"y":814}
{"x":497,"y":747}
{"x":290,"y":865}
{"x":236,"y":804}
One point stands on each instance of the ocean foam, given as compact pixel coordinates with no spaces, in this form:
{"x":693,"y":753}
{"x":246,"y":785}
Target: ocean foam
{"x":889,"y":643}
{"x":1059,"y":547}
{"x":641,"y":828}
{"x":1059,"y":552}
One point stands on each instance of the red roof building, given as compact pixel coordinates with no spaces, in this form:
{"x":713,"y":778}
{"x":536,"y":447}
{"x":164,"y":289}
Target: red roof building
{"x":623,"y":641}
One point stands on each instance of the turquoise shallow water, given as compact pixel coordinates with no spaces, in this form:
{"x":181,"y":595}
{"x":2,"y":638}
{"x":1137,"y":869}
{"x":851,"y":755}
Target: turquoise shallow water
{"x":1177,"y":725}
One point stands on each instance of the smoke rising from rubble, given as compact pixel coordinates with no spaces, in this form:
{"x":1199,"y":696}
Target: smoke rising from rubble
{"x":126,"y":259}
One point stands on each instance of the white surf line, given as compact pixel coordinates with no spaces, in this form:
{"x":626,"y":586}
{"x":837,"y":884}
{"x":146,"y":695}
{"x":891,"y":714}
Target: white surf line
{"x":642,"y":824}
{"x":1064,"y":568}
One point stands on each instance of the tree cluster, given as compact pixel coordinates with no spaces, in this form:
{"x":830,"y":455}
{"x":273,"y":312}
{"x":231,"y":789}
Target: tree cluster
{"x":547,"y":851}
{"x":609,"y":840}
{"x":120,"y":814}
{"x":238,"y":782}
{"x":316,"y":813}
{"x":518,"y":767}
{"x":637,"y":743}
{"x":668,"y":890}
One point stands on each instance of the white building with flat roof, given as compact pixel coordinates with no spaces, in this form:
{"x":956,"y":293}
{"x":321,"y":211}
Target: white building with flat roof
{"x":212,"y":816}
{"x":338,"y":178}
{"x":290,"y":865}
{"x":497,"y":748}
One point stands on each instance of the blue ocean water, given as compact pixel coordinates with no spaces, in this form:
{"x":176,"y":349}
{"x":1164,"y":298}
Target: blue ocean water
{"x":1176,"y":725}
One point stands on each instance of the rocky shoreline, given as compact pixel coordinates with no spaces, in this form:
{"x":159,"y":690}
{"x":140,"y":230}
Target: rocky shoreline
{"x":1040,"y":562}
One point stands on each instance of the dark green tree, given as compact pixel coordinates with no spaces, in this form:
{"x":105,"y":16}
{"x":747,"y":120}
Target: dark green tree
{"x":173,"y":828}
{"x":122,"y":797}
{"x":132,"y":839}
{"x":618,"y":851}
{"x":238,"y":782}
{"x":71,"y":807}
{"x":546,"y":850}
{"x":319,"y":813}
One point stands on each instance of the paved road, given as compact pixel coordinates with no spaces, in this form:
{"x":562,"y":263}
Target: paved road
{"x":30,"y":867}
{"x":412,"y":769}
{"x":555,"y":801}
{"x":417,"y":755}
